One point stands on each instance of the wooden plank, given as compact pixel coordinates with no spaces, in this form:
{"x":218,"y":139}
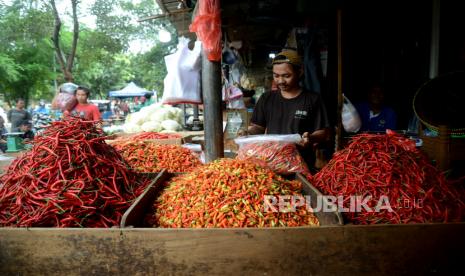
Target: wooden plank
{"x":341,"y":250}
{"x":132,"y":216}
{"x":325,"y":218}
{"x":340,"y":98}
{"x":166,"y":14}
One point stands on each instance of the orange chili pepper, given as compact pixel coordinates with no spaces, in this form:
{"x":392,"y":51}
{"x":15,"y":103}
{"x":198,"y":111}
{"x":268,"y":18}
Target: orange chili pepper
{"x":227,"y":193}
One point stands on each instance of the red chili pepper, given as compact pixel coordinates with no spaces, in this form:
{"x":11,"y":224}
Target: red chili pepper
{"x":70,"y":178}
{"x":282,"y":158}
{"x":148,"y":136}
{"x":390,"y":165}
{"x":152,"y":157}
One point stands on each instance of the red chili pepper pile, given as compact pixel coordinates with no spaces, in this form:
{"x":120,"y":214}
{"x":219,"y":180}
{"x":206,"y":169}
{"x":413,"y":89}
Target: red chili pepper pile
{"x":151,"y":157}
{"x":227,"y":193}
{"x":282,"y":158}
{"x":390,"y":166}
{"x":149,"y":135}
{"x":70,"y":178}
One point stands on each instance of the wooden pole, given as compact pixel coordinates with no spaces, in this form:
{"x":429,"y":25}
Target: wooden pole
{"x":443,"y":157}
{"x":339,"y":81}
{"x":213,"y":119}
{"x":434,"y":52}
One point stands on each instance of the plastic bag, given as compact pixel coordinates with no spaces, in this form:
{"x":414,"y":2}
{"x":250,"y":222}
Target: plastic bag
{"x":207,"y":26}
{"x":64,"y":101}
{"x":236,"y":103}
{"x":350,"y":117}
{"x":68,"y":87}
{"x":233,"y":96}
{"x":182,"y":83}
{"x":278,"y":152}
{"x":228,"y":56}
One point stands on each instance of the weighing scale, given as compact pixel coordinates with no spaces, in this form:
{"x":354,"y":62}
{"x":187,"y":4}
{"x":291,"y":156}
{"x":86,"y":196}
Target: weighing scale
{"x":14,"y":142}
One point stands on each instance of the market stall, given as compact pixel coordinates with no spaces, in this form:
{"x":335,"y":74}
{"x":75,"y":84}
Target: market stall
{"x":327,"y":249}
{"x":129,"y":175}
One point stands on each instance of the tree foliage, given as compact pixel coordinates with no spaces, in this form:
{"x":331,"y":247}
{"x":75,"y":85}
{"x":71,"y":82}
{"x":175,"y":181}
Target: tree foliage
{"x":30,"y":66}
{"x":25,"y":55}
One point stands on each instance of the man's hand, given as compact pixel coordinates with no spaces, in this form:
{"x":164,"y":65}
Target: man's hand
{"x":242,"y":132}
{"x":313,"y":138}
{"x":305,"y":142}
{"x":255,"y":129}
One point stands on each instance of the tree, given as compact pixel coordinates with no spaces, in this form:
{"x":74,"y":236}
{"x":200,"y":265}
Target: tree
{"x":36,"y":47}
{"x":26,"y":60}
{"x":118,"y":28}
{"x":65,"y":62}
{"x":9,"y":70}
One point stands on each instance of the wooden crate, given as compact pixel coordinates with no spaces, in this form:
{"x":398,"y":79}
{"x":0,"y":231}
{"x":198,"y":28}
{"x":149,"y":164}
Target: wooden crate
{"x":134,"y":216}
{"x":413,"y":249}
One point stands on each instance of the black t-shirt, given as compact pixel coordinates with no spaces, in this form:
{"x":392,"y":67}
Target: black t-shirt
{"x":304,"y":113}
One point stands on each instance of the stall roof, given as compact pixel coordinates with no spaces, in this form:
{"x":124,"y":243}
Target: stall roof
{"x":131,"y":90}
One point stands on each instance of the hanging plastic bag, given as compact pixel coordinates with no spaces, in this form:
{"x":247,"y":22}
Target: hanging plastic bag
{"x":233,"y":96}
{"x":207,"y":26}
{"x":228,"y":55}
{"x":182,"y":83}
{"x":65,"y":100}
{"x":278,"y":152}
{"x":350,"y":117}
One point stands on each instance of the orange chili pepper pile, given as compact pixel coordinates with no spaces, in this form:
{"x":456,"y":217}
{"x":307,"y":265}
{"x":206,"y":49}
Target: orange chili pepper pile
{"x":151,"y":157}
{"x":70,"y":178}
{"x":390,"y":165}
{"x":149,"y":135}
{"x":228,"y":193}
{"x":282,"y":158}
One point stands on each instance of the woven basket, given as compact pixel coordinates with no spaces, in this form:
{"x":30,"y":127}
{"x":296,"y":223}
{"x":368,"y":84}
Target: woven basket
{"x":441,"y":101}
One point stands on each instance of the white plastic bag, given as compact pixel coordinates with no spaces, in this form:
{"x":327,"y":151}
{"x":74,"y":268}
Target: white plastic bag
{"x":233,"y":96}
{"x":350,"y":117}
{"x":277,"y":152}
{"x":290,"y":138}
{"x":182,"y":83}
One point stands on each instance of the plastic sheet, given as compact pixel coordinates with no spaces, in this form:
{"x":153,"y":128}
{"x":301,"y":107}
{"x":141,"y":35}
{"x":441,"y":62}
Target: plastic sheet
{"x":277,"y":152}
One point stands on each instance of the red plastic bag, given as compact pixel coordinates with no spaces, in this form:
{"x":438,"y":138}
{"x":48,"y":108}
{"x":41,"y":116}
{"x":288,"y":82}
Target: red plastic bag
{"x":64,"y":101}
{"x":207,"y":26}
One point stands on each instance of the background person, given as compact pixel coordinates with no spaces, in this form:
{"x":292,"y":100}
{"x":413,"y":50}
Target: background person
{"x":41,"y":108}
{"x":18,"y":114}
{"x":107,"y":113}
{"x":375,"y":115}
{"x":26,"y":129}
{"x":84,"y":109}
{"x":3,"y":131}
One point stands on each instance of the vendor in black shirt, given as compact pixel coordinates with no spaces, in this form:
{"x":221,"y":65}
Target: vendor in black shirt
{"x":291,"y":109}
{"x":26,"y":128}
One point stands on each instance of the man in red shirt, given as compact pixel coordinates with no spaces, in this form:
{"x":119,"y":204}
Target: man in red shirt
{"x":84,"y":109}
